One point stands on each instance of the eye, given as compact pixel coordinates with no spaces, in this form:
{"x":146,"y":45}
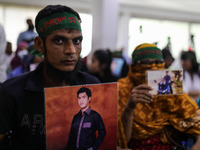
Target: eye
{"x":77,"y":41}
{"x":59,"y":41}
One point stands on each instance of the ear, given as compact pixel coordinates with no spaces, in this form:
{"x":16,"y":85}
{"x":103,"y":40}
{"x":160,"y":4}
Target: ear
{"x":39,"y":44}
{"x":89,"y":99}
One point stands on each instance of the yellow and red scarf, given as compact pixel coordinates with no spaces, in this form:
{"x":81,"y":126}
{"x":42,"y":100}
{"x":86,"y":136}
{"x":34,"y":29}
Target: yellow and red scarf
{"x":180,"y":111}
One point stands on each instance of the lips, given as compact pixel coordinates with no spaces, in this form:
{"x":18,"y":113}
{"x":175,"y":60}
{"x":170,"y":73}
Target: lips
{"x":68,"y":62}
{"x":81,"y":104}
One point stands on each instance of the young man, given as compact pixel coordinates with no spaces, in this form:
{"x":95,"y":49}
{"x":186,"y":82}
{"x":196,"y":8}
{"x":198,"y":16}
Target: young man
{"x":22,"y":98}
{"x":144,"y":119}
{"x":85,"y":124}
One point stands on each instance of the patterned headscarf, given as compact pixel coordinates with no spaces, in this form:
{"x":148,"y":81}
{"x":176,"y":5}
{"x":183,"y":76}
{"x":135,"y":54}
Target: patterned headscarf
{"x":146,"y":51}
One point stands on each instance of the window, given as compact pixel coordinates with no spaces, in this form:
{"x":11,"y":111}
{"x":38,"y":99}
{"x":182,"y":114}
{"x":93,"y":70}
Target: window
{"x":158,"y":31}
{"x":13,"y":18}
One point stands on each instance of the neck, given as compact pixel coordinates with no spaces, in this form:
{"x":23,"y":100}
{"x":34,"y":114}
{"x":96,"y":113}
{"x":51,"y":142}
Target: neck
{"x":50,"y":82}
{"x":84,"y":109}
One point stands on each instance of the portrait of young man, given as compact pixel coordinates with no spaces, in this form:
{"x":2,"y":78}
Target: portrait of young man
{"x":66,"y":106}
{"x":85,"y":124}
{"x":22,"y":98}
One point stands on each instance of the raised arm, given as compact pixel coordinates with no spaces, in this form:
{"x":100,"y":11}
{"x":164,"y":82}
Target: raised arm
{"x":139,"y":94}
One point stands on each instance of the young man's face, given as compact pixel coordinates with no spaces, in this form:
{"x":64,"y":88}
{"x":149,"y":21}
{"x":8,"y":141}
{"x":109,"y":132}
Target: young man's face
{"x":83,"y":101}
{"x":63,"y":48}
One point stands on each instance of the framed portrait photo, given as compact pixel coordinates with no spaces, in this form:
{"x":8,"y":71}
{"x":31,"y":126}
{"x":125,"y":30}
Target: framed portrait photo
{"x":81,"y":117}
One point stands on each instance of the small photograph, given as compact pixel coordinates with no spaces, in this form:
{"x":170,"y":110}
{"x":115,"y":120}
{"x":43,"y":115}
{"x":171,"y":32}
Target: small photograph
{"x":165,"y":82}
{"x":81,"y":117}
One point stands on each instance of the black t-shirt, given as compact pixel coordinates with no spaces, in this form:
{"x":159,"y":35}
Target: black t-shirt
{"x":22,"y":108}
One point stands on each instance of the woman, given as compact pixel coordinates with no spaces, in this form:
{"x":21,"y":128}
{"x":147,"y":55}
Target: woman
{"x":191,"y":77}
{"x":100,"y":66}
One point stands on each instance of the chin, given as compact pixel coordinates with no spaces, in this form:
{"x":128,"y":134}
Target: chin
{"x":66,"y":69}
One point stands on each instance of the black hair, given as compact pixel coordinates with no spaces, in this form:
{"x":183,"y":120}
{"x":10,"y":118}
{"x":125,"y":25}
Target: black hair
{"x":84,"y":89}
{"x":167,"y":54}
{"x":104,"y":57}
{"x":50,"y":9}
{"x":190,"y":55}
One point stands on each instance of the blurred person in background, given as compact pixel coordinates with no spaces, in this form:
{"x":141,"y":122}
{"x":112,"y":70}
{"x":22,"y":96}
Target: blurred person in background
{"x":3,"y":44}
{"x":22,"y":68}
{"x":101,"y":66}
{"x":191,"y":76}
{"x":147,"y":122}
{"x":177,"y":62}
{"x":29,"y":35}
{"x":19,"y":54}
{"x":29,"y":61}
{"x":168,"y":58}
{"x":8,"y":57}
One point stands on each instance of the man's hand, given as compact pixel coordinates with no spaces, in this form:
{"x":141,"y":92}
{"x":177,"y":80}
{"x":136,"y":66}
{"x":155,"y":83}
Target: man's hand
{"x":140,"y":94}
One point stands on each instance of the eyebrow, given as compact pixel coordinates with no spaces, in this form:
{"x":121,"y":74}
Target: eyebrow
{"x":79,"y":38}
{"x":64,"y":37}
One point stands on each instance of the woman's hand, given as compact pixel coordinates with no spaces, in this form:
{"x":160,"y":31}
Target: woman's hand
{"x":140,"y":94}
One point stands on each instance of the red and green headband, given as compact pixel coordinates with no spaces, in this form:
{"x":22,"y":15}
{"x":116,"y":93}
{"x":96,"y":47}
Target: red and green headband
{"x":146,"y":53}
{"x":57,"y":21}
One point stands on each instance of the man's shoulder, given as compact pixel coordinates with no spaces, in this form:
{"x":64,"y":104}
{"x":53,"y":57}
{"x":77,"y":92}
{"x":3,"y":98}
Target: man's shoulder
{"x":14,"y":87}
{"x":86,"y":78}
{"x":95,"y":113}
{"x":32,"y":81}
{"x":16,"y":81}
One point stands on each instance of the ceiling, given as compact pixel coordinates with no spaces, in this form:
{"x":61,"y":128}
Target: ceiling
{"x":192,"y":6}
{"x":181,"y":10}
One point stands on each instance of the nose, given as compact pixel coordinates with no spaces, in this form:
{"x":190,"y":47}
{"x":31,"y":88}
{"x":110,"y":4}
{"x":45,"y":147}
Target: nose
{"x":69,"y":48}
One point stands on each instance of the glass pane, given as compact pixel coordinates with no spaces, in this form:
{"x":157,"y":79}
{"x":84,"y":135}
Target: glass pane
{"x":158,"y":31}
